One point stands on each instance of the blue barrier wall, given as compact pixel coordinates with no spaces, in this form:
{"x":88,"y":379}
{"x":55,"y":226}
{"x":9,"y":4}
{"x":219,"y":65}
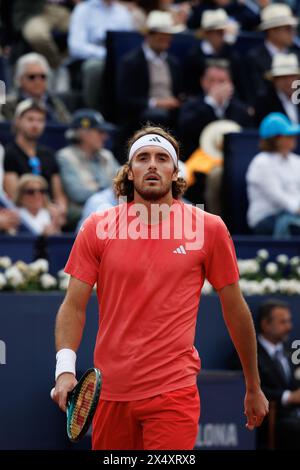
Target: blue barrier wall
{"x":57,"y":248}
{"x":29,"y":419}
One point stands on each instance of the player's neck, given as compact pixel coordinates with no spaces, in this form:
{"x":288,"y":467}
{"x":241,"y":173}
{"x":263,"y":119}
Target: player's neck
{"x":152,"y":214}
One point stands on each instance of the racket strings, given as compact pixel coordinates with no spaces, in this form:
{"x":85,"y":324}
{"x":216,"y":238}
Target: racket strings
{"x":82,"y":405}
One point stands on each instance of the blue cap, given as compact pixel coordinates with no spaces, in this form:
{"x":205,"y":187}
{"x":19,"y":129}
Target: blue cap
{"x":277,"y":124}
{"x":90,"y":119}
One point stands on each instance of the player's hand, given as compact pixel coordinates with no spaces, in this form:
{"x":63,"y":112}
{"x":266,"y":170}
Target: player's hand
{"x":64,"y":384}
{"x":256,"y":408}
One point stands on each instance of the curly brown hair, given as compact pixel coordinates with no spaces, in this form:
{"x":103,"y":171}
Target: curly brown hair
{"x":124,"y":187}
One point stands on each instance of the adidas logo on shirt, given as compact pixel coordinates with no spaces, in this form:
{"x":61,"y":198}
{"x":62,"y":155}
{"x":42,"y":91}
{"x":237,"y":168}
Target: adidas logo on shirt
{"x":154,"y":139}
{"x":180,"y":250}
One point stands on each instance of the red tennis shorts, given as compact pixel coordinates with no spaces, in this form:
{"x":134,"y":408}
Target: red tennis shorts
{"x":164,"y":422}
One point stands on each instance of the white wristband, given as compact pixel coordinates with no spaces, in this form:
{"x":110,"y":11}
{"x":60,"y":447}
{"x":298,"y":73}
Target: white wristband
{"x":65,"y":362}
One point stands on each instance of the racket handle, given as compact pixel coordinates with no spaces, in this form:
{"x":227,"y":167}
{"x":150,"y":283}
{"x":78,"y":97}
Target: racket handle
{"x":52,"y":393}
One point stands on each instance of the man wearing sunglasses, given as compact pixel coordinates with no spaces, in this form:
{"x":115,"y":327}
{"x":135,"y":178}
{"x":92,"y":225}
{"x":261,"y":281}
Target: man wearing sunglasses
{"x":31,"y":81}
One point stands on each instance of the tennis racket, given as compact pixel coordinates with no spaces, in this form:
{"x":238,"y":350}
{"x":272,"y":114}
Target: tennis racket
{"x":82,"y":403}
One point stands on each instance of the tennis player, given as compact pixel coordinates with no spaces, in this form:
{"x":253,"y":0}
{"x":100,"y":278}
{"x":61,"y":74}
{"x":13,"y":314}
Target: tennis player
{"x":149,"y":276}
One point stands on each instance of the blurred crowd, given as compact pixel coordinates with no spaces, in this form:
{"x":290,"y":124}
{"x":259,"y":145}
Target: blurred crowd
{"x":60,"y":67}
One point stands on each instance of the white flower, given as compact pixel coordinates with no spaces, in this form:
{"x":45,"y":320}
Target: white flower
{"x":248,"y":266}
{"x":61,"y":274}
{"x":263,"y":254}
{"x":5,"y":262}
{"x":295,"y":260}
{"x":283,"y":286}
{"x":2,"y":281}
{"x":63,"y":283}
{"x":207,"y":288}
{"x":271,"y":268}
{"x":251,"y":287}
{"x":14,"y":276}
{"x":282,"y":259}
{"x":23,"y":267}
{"x":269,"y":286}
{"x":47,"y":281}
{"x":293,"y":287}
{"x":39,"y":266}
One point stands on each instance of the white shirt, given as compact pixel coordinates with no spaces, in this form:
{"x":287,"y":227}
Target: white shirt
{"x":219,"y":110}
{"x":207,"y":48}
{"x":289,"y":107}
{"x":273,"y":50}
{"x":89,"y":22}
{"x":36,"y":222}
{"x":152,"y":56}
{"x":273,"y":185}
{"x":272,"y":349}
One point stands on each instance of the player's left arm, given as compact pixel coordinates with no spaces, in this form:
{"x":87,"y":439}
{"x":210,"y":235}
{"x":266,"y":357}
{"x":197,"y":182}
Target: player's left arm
{"x":238,"y":319}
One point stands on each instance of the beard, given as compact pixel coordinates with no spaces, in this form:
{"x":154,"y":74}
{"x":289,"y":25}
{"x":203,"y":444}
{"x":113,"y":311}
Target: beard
{"x":152,"y":193}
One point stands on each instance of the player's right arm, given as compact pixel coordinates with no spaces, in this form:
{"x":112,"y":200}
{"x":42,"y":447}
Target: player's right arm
{"x":70,"y":323}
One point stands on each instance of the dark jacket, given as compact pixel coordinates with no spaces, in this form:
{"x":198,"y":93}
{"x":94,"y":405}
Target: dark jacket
{"x":259,"y":61}
{"x":133,"y":84}
{"x":287,"y":418}
{"x":272,"y":382}
{"x":269,"y":103}
{"x":195,"y":114}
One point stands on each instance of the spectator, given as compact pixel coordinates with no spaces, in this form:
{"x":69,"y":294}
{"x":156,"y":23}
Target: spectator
{"x":277,"y":373}
{"x":86,"y":166}
{"x":38,"y":19}
{"x":279,"y":97}
{"x":212,"y":46}
{"x":31,"y":81}
{"x":273,"y":180}
{"x":34,"y":205}
{"x":25,"y":155}
{"x":217,"y":102}
{"x":9,"y":221}
{"x":278,"y":23}
{"x":90,"y":20}
{"x":99,"y":202}
{"x":150,"y":78}
{"x":246,"y":13}
{"x":205,"y":166}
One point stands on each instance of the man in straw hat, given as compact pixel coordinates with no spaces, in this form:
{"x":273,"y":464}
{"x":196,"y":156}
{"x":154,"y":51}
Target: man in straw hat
{"x":278,"y":24}
{"x":150,"y":77}
{"x":213,"y":45}
{"x":279,"y":96}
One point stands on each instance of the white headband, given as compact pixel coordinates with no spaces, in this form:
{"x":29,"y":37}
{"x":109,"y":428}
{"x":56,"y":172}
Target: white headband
{"x":157,"y":141}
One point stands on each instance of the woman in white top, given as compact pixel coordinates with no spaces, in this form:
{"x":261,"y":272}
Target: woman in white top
{"x":273,"y":180}
{"x":33,"y":202}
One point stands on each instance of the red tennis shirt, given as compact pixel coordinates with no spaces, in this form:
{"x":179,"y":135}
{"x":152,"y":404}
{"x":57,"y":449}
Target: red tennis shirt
{"x":148,"y":289}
